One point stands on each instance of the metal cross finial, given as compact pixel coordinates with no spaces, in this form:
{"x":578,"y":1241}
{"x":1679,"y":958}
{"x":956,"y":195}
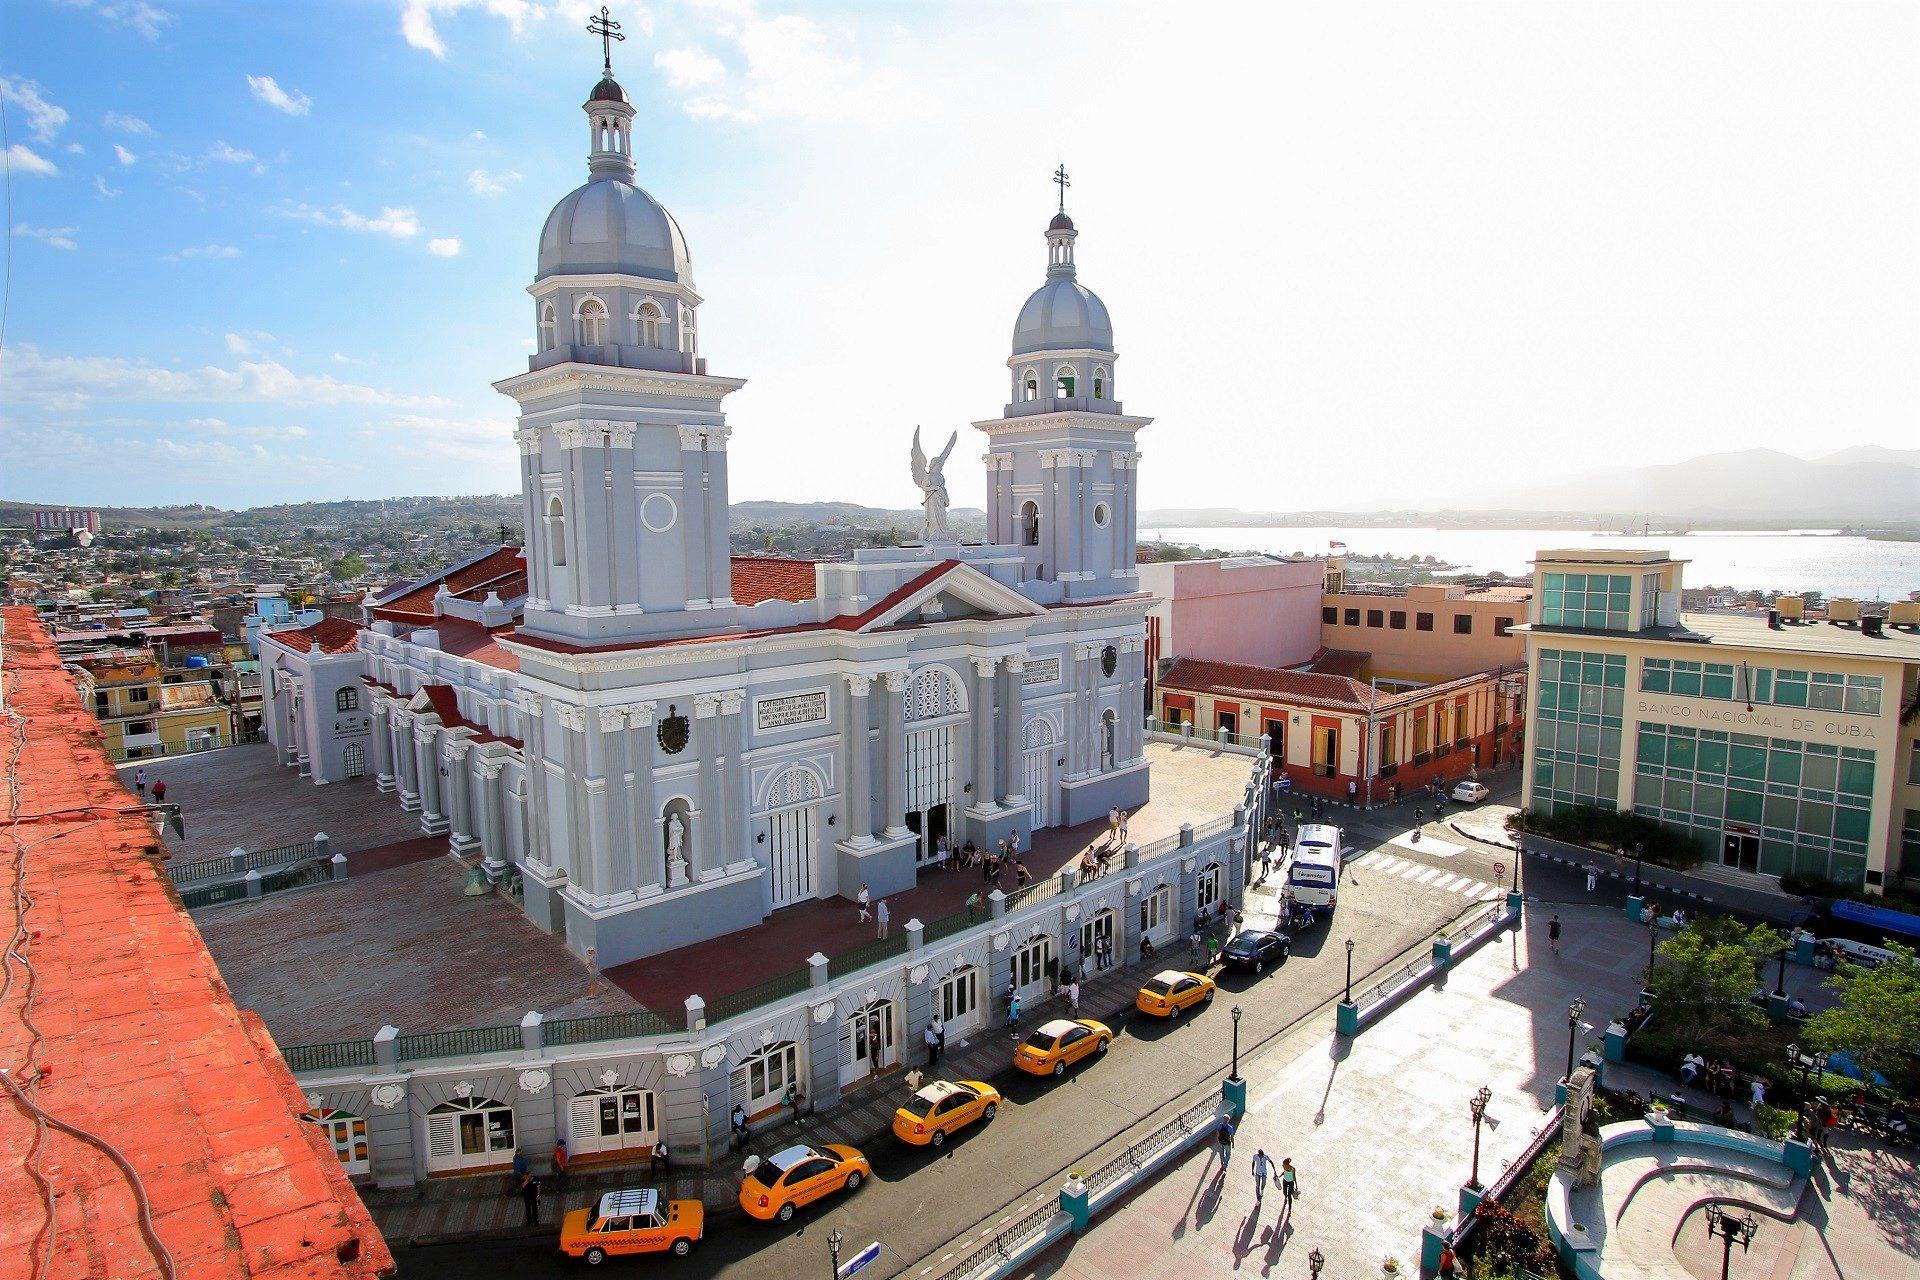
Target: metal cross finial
{"x":603,"y":25}
{"x":1060,"y":178}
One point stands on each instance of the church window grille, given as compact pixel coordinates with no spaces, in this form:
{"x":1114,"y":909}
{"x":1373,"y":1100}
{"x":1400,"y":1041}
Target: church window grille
{"x":647,"y":324}
{"x":546,"y":327}
{"x":556,"y":533}
{"x":933,"y":693}
{"x":795,"y":786}
{"x":593,"y":323}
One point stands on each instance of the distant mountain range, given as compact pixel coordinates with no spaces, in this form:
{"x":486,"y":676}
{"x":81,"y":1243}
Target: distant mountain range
{"x":1862,"y":485}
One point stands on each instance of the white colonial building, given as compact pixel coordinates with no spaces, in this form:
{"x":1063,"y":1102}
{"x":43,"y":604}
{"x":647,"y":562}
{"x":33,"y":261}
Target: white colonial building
{"x":669,"y":742}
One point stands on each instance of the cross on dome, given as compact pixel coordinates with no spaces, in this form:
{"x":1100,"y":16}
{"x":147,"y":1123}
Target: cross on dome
{"x":602,"y":24}
{"x":1060,"y":178}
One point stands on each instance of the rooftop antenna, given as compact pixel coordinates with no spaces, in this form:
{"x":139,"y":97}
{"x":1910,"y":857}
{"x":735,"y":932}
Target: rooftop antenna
{"x":1060,"y":179}
{"x":602,"y":24}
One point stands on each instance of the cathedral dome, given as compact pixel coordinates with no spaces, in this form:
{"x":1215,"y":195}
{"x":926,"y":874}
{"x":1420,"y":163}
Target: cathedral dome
{"x":612,"y":226}
{"x":1062,"y":314}
{"x":608,"y":90}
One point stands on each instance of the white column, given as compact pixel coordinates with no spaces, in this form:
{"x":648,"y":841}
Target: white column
{"x":708,"y":831}
{"x":1012,"y":752}
{"x":982,"y":725}
{"x":493,"y":844}
{"x":382,"y":746}
{"x":859,"y":762}
{"x":427,"y":767}
{"x":534,"y":753}
{"x":600,"y":721}
{"x":893,"y":752}
{"x":730,"y":777}
{"x":646,"y":864}
{"x":454,"y":753}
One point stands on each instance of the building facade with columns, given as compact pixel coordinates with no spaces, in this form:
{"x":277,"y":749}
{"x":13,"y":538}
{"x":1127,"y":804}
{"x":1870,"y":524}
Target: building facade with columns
{"x":665,"y":742}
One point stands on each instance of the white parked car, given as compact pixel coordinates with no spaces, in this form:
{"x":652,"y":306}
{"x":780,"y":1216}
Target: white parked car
{"x":1470,"y":792}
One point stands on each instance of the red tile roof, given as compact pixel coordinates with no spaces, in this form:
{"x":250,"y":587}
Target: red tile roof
{"x":446,"y":704}
{"x":1309,"y":688}
{"x":465,"y":639}
{"x":1339,"y":662}
{"x":143,"y":1046}
{"x":498,"y":570}
{"x":758,"y":578}
{"x":329,"y":635}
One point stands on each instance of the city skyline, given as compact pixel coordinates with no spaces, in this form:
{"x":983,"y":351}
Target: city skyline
{"x":1525,"y":232}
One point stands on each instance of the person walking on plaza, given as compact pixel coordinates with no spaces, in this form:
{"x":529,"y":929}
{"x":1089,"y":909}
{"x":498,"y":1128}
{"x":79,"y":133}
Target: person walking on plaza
{"x":530,"y":1197}
{"x":1553,"y":934}
{"x":1353,"y":792}
{"x":662,"y":1162}
{"x":865,"y":899}
{"x":1013,"y":1017}
{"x":881,"y":916}
{"x":140,"y":783}
{"x":933,"y":1046}
{"x":1289,"y":1181}
{"x":1113,"y":822}
{"x":1593,"y":877}
{"x":159,"y":791}
{"x":939,"y":1029}
{"x":560,"y":1166}
{"x":1224,"y":1135}
{"x":1073,"y":998}
{"x":1262,"y":1170}
{"x":1125,"y":818}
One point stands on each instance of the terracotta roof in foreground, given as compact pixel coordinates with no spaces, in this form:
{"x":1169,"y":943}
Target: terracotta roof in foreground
{"x":143,"y":1047}
{"x":329,"y":635}
{"x":758,"y":578}
{"x":1308,"y":688}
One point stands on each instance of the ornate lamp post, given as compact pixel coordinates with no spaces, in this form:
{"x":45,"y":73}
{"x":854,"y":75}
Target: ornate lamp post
{"x":1639,"y":850}
{"x":1477,"y":1108}
{"x":1806,"y":1065}
{"x":1653,"y":940}
{"x":1349,"y":999}
{"x":834,"y":1239}
{"x":1235,"y":1073}
{"x":1315,"y":1261}
{"x":1780,"y":979}
{"x":1574,"y":1010}
{"x":1729,"y":1227}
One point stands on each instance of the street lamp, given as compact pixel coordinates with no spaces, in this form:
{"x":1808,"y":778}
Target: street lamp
{"x":1349,"y":999}
{"x":1315,"y":1261}
{"x":1574,"y":1010}
{"x":1477,"y":1107}
{"x":1653,"y":940}
{"x":833,"y":1247}
{"x":1235,"y":1074}
{"x":1806,"y":1065}
{"x":1780,"y":980}
{"x":1519,"y":852}
{"x":1639,"y":849}
{"x":1729,"y":1227}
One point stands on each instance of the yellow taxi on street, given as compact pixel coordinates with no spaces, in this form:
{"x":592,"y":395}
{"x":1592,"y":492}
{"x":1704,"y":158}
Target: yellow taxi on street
{"x":942,"y":1107}
{"x":634,"y":1221}
{"x":1058,"y":1044}
{"x":1171,"y":992}
{"x":779,"y":1185}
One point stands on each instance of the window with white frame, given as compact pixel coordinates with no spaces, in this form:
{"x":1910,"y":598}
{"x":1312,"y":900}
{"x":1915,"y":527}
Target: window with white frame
{"x":1063,"y":380}
{"x":546,"y":327}
{"x":760,"y":1082}
{"x":1030,"y":962}
{"x":473,"y":1133}
{"x":593,"y":323}
{"x":957,"y":1000}
{"x":1208,"y":892}
{"x":346,"y":700}
{"x":347,"y":1135}
{"x":1030,"y":524}
{"x":1099,"y":382}
{"x":1156,"y":909}
{"x":1030,"y":385}
{"x":646,"y":324}
{"x":611,"y":1120}
{"x":689,"y":340}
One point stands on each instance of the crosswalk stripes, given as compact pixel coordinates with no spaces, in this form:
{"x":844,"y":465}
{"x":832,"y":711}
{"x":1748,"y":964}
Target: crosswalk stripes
{"x":1431,"y":877}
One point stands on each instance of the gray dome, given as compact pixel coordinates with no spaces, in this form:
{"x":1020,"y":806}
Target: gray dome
{"x":1062,"y":314}
{"x":611,"y":226}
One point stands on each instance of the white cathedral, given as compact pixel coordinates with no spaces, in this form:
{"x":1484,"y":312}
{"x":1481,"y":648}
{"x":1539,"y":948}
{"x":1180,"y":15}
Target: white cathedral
{"x":671,"y":742}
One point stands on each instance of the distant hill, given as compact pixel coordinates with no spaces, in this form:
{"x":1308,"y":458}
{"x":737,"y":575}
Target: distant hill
{"x":14,"y":514}
{"x":746,"y":515}
{"x":1851,"y":487}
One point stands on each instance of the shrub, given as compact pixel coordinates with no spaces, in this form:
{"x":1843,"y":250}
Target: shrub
{"x":1774,"y":1122}
{"x":1587,"y":825}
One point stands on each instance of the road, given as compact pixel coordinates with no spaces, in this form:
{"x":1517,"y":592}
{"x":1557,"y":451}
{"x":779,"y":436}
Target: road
{"x":919,"y":1200}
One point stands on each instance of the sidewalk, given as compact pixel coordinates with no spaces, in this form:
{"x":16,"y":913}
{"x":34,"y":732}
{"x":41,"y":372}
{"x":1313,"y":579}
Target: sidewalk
{"x":476,"y":1208}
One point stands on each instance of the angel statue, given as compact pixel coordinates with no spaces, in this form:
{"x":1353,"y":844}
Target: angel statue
{"x":933,"y":489}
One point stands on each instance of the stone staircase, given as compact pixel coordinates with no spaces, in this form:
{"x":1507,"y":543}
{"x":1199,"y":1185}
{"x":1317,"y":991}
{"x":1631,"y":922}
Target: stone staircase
{"x":1646,"y":1192}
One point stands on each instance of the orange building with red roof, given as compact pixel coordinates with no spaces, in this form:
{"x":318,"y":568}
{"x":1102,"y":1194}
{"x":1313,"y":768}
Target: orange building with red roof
{"x":151,"y":1127}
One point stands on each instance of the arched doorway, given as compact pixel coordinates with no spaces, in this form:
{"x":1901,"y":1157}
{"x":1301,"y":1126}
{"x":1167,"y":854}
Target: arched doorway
{"x":611,"y":1120}
{"x":792,"y":836}
{"x":355,"y":758}
{"x":1042,"y":771}
{"x":472,"y":1133}
{"x":935,"y":709}
{"x":868,"y":1043}
{"x":1099,"y":929}
{"x":760,"y":1083}
{"x":347,"y":1135}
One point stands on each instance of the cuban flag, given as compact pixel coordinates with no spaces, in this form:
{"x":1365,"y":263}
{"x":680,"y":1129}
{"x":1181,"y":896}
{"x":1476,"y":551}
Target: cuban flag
{"x":1336,"y":546}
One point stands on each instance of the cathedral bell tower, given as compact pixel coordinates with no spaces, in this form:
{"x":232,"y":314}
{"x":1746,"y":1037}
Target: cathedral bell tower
{"x":623,"y":442}
{"x":1061,"y":463}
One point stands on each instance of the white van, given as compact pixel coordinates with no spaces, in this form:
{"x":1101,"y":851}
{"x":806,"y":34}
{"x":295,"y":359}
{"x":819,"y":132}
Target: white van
{"x":1313,"y":872}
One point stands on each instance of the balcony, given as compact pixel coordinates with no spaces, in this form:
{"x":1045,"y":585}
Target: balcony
{"x":140,"y":741}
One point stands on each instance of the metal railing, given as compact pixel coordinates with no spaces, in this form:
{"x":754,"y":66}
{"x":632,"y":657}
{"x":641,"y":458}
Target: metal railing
{"x":450,"y":1044}
{"x":297,"y":875}
{"x":998,"y":1250}
{"x":1212,"y":826}
{"x":1378,"y":991}
{"x":214,"y":894}
{"x":341,"y":1055}
{"x":721,"y":1008}
{"x":1038,"y":891}
{"x":865,"y":954}
{"x":612,"y":1026}
{"x":258,"y":860}
{"x":1515,"y":1168}
{"x":1135,"y":1157}
{"x":956,"y":922}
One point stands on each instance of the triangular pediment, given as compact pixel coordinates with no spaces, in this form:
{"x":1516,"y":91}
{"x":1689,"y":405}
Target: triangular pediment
{"x":954,"y":592}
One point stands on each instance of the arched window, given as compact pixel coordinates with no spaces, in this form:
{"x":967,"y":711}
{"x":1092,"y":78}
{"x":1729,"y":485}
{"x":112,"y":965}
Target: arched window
{"x":760,"y":1082}
{"x":593,"y":323}
{"x":346,"y":700}
{"x":646,"y":324}
{"x":546,"y":327}
{"x":933,"y":692}
{"x":347,"y":1134}
{"x":556,"y":532}
{"x":688,"y":341}
{"x":1063,"y":380}
{"x":611,"y":1120}
{"x":1109,"y":738}
{"x":1030,"y":385}
{"x":473,"y":1133}
{"x":1030,"y":524}
{"x":1099,"y":382}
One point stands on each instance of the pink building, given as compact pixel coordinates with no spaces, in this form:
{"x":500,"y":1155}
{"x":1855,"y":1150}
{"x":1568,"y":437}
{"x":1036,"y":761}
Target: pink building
{"x":1251,"y":610}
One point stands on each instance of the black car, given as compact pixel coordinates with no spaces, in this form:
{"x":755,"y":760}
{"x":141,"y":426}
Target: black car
{"x":1255,"y":949}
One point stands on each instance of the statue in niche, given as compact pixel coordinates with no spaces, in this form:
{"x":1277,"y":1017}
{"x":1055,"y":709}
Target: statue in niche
{"x":676,"y":850}
{"x":933,"y":489}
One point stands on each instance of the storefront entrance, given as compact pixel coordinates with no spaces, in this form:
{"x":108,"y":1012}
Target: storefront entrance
{"x":867,"y":1043}
{"x":1741,"y":849}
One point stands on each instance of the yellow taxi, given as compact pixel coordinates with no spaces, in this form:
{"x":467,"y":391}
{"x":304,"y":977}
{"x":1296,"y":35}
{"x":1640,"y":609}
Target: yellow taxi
{"x":942,"y":1107}
{"x":777,"y":1186}
{"x":1170,"y":993}
{"x":1057,"y":1044}
{"x":638,"y":1221}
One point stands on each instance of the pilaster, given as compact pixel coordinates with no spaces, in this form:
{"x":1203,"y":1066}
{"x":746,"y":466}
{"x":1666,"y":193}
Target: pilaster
{"x":893,"y":752}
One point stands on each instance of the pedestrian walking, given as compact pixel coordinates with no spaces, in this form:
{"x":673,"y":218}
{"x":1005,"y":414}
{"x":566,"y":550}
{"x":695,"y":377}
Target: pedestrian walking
{"x":530,"y":1197}
{"x":1013,"y":1017}
{"x":1593,"y":877}
{"x":865,"y":899}
{"x":1073,"y":998}
{"x":1224,"y":1136}
{"x":1125,"y":818}
{"x":1024,"y":876}
{"x":1759,"y":1093}
{"x":940,"y":1030}
{"x":1289,"y":1181}
{"x":517,"y":1173}
{"x":159,"y":791}
{"x":882,"y":916}
{"x":662,"y":1163}
{"x":1448,"y":1263}
{"x":1262,"y":1170}
{"x":1553,"y":934}
{"x":933,"y":1045}
{"x":560,"y":1166}
{"x":140,"y":782}
{"x":1353,"y":792}
{"x":1113,"y":821}
{"x":1106,"y":953}
{"x":1193,"y":949}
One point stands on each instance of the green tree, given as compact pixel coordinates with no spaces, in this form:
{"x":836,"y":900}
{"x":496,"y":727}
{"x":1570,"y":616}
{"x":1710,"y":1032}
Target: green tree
{"x":347,"y":567}
{"x":1707,"y":972}
{"x":1878,"y":1017}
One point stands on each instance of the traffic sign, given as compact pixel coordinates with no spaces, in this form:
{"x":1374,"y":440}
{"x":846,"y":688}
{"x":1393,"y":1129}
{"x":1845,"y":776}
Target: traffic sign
{"x":1499,"y":869}
{"x":869,"y":1254}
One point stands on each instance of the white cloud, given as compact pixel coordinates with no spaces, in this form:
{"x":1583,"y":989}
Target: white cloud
{"x":689,"y":68}
{"x":43,"y":118}
{"x":400,"y":223}
{"x":142,"y":17}
{"x":57,"y":237}
{"x":479,"y":136}
{"x":226,"y":153}
{"x":126,"y":123}
{"x":220,"y":427}
{"x":477,"y":440}
{"x":446,"y":247}
{"x":75,"y":149}
{"x":418,"y":16}
{"x":204,"y":251}
{"x":73,"y":381}
{"x":491,"y":184}
{"x":22,"y":160}
{"x":105,"y":192}
{"x":123,"y":155}
{"x":238,"y":345}
{"x":268,"y":90}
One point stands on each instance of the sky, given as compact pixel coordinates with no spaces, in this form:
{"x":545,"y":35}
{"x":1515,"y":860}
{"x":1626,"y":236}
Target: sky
{"x":1357,"y":255}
